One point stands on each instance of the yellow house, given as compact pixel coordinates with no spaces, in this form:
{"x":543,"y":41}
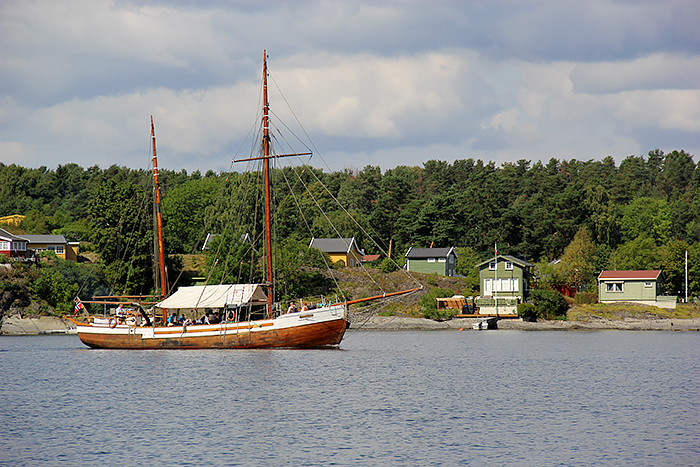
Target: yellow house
{"x":340,"y":249}
{"x":56,"y":243}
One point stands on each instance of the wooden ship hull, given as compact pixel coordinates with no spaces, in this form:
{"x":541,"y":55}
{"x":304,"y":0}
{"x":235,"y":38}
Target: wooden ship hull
{"x":323,"y":327}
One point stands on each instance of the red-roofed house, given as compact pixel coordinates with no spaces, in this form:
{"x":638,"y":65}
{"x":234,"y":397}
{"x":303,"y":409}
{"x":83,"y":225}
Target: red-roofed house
{"x":642,"y":287}
{"x":12,"y":245}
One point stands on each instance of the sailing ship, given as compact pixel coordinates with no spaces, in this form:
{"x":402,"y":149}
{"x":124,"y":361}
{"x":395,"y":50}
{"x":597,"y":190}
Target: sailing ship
{"x":322,"y":325}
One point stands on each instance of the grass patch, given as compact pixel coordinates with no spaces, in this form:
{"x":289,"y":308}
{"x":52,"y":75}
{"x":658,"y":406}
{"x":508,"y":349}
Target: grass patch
{"x":620,"y":311}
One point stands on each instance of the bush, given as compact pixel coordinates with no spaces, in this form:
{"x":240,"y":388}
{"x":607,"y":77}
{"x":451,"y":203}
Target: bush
{"x":429,"y":305}
{"x":388,"y":266}
{"x":585,"y":298}
{"x":527,"y":311}
{"x":439,"y":315}
{"x":550,"y":304}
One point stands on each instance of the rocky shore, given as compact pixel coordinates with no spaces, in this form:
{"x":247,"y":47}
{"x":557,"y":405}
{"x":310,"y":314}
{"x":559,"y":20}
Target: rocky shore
{"x":18,"y":326}
{"x":401,"y":323}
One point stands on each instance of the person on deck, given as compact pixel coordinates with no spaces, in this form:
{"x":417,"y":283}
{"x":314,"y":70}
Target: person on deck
{"x":120,"y":314}
{"x":172,"y":320}
{"x":292,"y":308}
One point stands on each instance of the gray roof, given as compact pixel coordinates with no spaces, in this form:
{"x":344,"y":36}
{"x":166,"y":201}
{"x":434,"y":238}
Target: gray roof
{"x":419,"y":253}
{"x":333,"y":245}
{"x":12,"y":237}
{"x":520,"y":262}
{"x":56,"y":239}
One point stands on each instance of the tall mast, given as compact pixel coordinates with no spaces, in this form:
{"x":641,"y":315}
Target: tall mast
{"x":161,"y":285}
{"x":266,"y":172}
{"x":266,"y":156}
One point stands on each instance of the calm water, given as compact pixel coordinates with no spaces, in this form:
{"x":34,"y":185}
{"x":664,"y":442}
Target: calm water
{"x":384,"y":398}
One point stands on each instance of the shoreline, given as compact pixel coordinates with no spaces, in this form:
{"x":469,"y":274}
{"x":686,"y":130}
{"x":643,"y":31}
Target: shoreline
{"x":42,"y":325}
{"x":401,"y":323}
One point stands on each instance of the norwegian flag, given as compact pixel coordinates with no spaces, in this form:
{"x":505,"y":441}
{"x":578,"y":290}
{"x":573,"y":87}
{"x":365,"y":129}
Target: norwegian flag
{"x":495,"y":250}
{"x":78,"y":306}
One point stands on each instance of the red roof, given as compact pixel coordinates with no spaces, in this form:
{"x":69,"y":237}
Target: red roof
{"x":370,"y":257}
{"x":629,"y":275}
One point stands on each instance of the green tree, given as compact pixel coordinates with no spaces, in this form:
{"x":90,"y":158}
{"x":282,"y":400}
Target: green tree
{"x":548,"y":275}
{"x":550,"y":304}
{"x":646,"y":216}
{"x":676,"y":175}
{"x":299,"y":271}
{"x":429,"y":305}
{"x":122,"y":233}
{"x":467,"y":260}
{"x":693,"y":272}
{"x":673,"y":266}
{"x":185,"y":211}
{"x":579,"y":259}
{"x":638,"y":254}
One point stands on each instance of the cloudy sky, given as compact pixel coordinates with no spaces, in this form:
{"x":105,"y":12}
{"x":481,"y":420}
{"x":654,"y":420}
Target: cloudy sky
{"x":383,"y":82}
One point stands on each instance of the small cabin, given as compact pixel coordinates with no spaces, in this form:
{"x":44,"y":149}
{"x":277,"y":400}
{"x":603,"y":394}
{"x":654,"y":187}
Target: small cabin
{"x":440,"y":261}
{"x":504,"y":282}
{"x":340,"y":249}
{"x":641,"y":287}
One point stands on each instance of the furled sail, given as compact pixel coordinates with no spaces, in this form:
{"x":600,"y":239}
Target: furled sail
{"x":214,"y":296}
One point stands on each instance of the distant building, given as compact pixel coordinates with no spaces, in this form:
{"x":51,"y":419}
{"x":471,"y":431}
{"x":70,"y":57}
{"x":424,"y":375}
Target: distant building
{"x":11,"y":245}
{"x":441,"y":261}
{"x":23,"y":246}
{"x":642,"y":287}
{"x":503,"y":279}
{"x":340,"y":249}
{"x":56,"y":243}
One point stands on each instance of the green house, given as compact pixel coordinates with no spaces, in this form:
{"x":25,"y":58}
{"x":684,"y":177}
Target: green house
{"x":504,"y":282}
{"x":441,"y":261}
{"x":640,"y":287}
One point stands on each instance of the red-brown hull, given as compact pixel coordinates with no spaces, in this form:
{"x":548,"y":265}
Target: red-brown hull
{"x":327,"y":333}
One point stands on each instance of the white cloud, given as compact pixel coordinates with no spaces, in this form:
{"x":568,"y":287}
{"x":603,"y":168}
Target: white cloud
{"x":386,"y":83}
{"x":370,"y":96}
{"x":656,"y":71}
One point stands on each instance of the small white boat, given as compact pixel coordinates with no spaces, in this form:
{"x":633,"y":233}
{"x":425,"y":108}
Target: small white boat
{"x":481,"y":325}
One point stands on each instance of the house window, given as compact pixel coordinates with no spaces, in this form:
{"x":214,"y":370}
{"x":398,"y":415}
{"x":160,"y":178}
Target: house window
{"x":58,"y":249}
{"x":351,"y":262}
{"x":501,"y":285}
{"x":19,"y":246}
{"x":492,"y":266}
{"x":648,"y":285}
{"x":509,"y":265}
{"x":613,"y":286}
{"x":442,"y":260}
{"x":4,"y":246}
{"x":431,"y":260}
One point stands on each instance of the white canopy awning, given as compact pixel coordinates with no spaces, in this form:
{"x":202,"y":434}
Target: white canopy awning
{"x":214,"y":296}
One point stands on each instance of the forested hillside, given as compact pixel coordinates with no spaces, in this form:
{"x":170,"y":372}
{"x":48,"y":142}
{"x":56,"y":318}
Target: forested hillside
{"x":593,"y":215}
